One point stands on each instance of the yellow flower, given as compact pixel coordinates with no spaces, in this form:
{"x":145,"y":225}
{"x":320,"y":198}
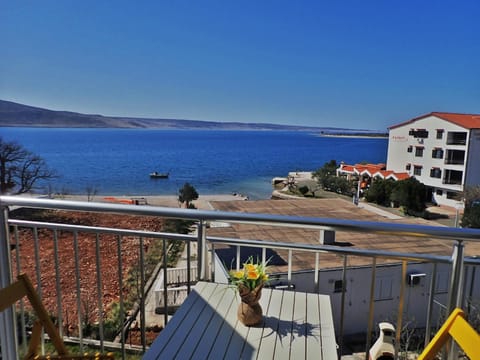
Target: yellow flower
{"x":250,"y":267}
{"x":253,"y":275}
{"x":237,"y":274}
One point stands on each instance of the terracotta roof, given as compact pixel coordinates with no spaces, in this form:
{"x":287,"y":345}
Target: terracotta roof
{"x":347,"y":168}
{"x":401,"y":176}
{"x":389,"y":174}
{"x":373,"y":170}
{"x":467,"y":121}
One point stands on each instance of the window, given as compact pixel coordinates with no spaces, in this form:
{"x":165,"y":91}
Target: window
{"x":338,"y":286}
{"x":417,"y":170}
{"x":440,"y":133}
{"x":453,"y":195}
{"x":419,"y":133}
{"x":442,"y":282}
{"x":456,"y":138}
{"x":455,"y":157}
{"x":418,"y":151}
{"x":453,"y":177}
{"x":435,"y":173}
{"x":410,"y":148}
{"x":437,"y":153}
{"x":408,"y":167}
{"x":383,"y":288}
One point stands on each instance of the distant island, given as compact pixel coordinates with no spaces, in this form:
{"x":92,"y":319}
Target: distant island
{"x":19,"y":115}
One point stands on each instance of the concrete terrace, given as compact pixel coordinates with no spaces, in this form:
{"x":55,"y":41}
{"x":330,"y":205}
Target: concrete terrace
{"x":326,"y":208}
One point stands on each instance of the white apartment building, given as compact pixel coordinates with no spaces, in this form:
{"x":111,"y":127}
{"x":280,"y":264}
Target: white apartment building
{"x":441,"y":150}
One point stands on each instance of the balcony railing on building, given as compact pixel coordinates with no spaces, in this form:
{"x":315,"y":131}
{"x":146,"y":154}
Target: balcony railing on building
{"x":448,"y":281}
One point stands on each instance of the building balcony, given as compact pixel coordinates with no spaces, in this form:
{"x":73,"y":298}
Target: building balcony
{"x":409,"y":274}
{"x":456,"y":138}
{"x":455,"y":157}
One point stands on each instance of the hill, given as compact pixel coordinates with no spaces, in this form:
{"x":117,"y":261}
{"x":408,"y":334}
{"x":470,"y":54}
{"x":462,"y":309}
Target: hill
{"x":18,"y":115}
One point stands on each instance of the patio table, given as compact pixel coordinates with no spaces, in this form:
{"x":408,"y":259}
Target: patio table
{"x":296,"y":325}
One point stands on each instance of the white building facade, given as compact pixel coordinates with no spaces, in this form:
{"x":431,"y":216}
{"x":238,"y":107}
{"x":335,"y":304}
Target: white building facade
{"x":441,"y":150}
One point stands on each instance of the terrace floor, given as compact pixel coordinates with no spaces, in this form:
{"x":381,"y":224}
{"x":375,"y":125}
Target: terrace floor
{"x":326,"y":208}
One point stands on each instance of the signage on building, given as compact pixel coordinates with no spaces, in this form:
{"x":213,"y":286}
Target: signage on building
{"x":398,"y":138}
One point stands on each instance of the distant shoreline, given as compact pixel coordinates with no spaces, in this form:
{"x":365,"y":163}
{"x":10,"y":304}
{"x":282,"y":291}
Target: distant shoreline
{"x":20,"y":115}
{"x":203,"y":201}
{"x":356,"y":136}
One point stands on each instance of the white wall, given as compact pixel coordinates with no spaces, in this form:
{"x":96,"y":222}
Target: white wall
{"x":387,"y":292}
{"x":398,"y":157}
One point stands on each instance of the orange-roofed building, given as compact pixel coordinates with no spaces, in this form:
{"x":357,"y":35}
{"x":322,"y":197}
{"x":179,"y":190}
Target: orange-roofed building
{"x":441,"y":150}
{"x":368,"y":172}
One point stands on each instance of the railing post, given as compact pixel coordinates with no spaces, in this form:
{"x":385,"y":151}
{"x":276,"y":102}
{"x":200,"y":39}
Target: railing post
{"x":456,"y":281}
{"x":8,"y":333}
{"x":371,"y":308}
{"x":431,"y":297}
{"x":202,"y":251}
{"x":456,"y":288}
{"x":342,"y":306}
{"x":401,"y":302}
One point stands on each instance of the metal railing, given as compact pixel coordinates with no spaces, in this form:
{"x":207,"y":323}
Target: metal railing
{"x":206,"y":265}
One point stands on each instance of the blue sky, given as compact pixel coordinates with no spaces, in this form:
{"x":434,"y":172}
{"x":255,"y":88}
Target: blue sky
{"x":356,"y":64}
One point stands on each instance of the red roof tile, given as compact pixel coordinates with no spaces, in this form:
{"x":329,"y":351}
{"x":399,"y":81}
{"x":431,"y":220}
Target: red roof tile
{"x":373,"y":170}
{"x":468,"y":121}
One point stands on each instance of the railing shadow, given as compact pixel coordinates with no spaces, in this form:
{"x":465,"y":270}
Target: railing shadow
{"x":291,"y":329}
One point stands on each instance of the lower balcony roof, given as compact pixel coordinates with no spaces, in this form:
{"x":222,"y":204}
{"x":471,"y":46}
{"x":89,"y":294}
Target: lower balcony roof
{"x":328,"y":208}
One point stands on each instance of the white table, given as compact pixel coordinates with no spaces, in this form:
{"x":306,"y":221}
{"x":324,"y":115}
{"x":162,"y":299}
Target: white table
{"x":296,"y":326}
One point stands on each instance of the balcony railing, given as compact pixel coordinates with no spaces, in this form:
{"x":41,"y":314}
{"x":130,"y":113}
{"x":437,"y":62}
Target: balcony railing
{"x":208,"y":266}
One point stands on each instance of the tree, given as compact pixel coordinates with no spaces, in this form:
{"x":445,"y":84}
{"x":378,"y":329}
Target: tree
{"x":328,"y":180}
{"x":324,"y":174}
{"x":20,"y":169}
{"x":471,"y":213}
{"x":186,"y":195}
{"x":411,"y":194}
{"x":379,"y":191}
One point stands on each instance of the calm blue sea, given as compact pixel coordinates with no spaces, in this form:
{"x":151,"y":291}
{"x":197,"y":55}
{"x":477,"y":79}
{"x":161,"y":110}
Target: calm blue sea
{"x":118,"y":161}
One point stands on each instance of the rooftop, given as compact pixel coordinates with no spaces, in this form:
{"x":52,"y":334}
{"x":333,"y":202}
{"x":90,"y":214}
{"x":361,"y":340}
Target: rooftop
{"x":468,"y":121}
{"x":325,"y":208}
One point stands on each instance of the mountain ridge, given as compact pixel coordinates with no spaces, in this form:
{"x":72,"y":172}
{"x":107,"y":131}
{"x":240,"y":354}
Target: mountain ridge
{"x":14,"y":114}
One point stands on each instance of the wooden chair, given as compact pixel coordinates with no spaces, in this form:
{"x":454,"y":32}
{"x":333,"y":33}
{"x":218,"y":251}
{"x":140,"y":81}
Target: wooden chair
{"x":23,"y":287}
{"x":459,"y":329}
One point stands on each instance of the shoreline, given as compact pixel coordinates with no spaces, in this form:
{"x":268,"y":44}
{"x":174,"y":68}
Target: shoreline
{"x":355,"y":136}
{"x":203,"y":201}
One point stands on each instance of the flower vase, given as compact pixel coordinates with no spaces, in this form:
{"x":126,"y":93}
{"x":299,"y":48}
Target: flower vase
{"x":249,"y":310}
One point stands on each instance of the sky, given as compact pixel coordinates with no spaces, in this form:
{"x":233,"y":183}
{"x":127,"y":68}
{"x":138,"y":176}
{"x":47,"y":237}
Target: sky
{"x":352,"y":64}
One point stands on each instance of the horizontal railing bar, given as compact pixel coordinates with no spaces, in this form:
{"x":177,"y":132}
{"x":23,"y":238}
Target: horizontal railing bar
{"x":415,"y":230}
{"x":99,"y":229}
{"x":332,"y":249}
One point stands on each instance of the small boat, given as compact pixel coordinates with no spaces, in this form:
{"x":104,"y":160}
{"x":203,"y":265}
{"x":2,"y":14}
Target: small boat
{"x":158,"y":175}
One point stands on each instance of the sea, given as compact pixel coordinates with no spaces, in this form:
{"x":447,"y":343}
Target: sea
{"x":119,"y":161}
